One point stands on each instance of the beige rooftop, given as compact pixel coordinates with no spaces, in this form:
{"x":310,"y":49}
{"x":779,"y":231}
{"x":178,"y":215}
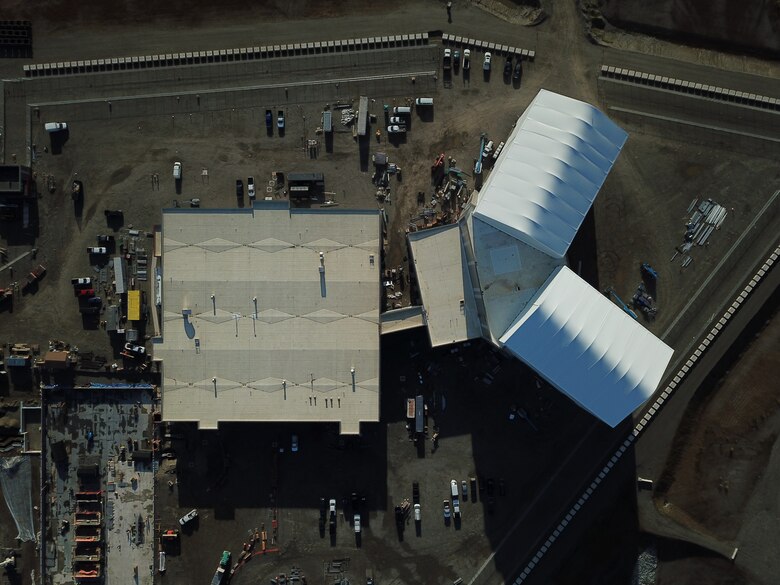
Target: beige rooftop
{"x":270,"y":314}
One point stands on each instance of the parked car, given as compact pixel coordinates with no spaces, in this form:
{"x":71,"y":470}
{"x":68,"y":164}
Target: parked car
{"x":501,"y":487}
{"x":55,"y":126}
{"x":95,"y":301}
{"x":396,"y":129}
{"x":486,"y":62}
{"x":135,"y":349}
{"x":332,"y":507}
{"x":188,"y":517}
{"x":417,"y":513}
{"x":269,"y":119}
{"x":97,"y":250}
{"x":466,"y":59}
{"x":323,"y":509}
{"x":104,"y":240}
{"x":447,"y":511}
{"x":250,"y":187}
{"x":81,"y":281}
{"x":86,"y":292}
{"x":294,"y":446}
{"x":456,"y":59}
{"x":491,"y":485}
{"x":177,"y":171}
{"x":464,"y":487}
{"x":239,"y":188}
{"x":473,"y":481}
{"x":447,"y":59}
{"x":356,"y":523}
{"x":518,"y":70}
{"x":397,"y":120}
{"x":508,"y":66}
{"x":280,"y":120}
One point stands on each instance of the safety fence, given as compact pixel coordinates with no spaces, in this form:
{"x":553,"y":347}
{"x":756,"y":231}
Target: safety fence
{"x":222,"y":55}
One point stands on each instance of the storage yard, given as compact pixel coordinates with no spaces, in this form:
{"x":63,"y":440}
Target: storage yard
{"x":407,"y":124}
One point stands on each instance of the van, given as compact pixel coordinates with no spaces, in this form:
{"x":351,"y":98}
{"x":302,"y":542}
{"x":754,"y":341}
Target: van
{"x":424,"y":101}
{"x":55,"y":126}
{"x":402,"y":110}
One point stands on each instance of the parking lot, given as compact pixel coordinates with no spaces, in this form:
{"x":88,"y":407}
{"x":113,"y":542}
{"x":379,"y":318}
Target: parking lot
{"x":245,"y":476}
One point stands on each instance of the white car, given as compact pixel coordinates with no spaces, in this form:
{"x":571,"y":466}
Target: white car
{"x":397,"y":120}
{"x":55,"y":126}
{"x":97,"y":250}
{"x":176,"y":170}
{"x":447,"y":512}
{"x":395,"y":129}
{"x":188,"y":517}
{"x":417,"y":513}
{"x":486,"y":63}
{"x":136,"y":349}
{"x":250,"y":187}
{"x":332,"y":506}
{"x":356,"y":522}
{"x":81,"y":281}
{"x":466,"y":59}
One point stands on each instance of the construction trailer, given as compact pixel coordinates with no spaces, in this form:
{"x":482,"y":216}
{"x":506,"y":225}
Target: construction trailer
{"x":305,"y":185}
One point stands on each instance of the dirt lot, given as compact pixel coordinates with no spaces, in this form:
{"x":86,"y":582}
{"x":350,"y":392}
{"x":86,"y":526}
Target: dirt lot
{"x":639,"y":217}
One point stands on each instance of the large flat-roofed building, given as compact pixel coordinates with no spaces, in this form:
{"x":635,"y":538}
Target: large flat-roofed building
{"x":500,"y":273}
{"x":270,"y":314}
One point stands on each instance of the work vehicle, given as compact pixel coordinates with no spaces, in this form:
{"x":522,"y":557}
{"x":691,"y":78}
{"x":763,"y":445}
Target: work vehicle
{"x":85,"y":280}
{"x":396,"y":129}
{"x":239,"y":188}
{"x":508,"y":66}
{"x":192,"y":514}
{"x":269,"y":119}
{"x":35,"y":274}
{"x":518,"y":70}
{"x":486,"y":62}
{"x":141,"y":350}
{"x":417,"y":513}
{"x":221,"y":575}
{"x":423,"y":101}
{"x":55,"y":126}
{"x":466,"y":59}
{"x":250,"y":187}
{"x":280,"y":119}
{"x":356,"y":523}
{"x":447,"y":59}
{"x":177,"y":171}
{"x":97,"y":250}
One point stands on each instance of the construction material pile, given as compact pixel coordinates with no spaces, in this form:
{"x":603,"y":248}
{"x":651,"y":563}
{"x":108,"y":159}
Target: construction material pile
{"x":707,"y":217}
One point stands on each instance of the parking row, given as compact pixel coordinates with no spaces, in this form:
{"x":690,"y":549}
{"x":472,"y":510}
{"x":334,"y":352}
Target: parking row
{"x":223,"y":55}
{"x":648,"y":416}
{"x":478,"y":45}
{"x":689,"y":87}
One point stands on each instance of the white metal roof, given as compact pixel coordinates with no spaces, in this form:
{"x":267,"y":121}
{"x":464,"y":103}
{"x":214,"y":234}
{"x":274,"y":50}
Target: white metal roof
{"x":445,"y":285}
{"x":288,"y":356}
{"x":550,"y":171}
{"x":588,"y":348}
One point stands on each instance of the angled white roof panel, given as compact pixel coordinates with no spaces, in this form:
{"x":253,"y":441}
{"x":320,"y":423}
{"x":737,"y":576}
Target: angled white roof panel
{"x":550,"y":171}
{"x":588,"y":348}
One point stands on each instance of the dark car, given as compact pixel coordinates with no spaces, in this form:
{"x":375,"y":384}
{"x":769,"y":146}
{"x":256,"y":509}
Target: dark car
{"x":269,"y":119}
{"x":501,"y":487}
{"x":415,"y":492}
{"x":491,"y":486}
{"x":518,"y":70}
{"x":323,"y":509}
{"x":239,"y":188}
{"x":508,"y":66}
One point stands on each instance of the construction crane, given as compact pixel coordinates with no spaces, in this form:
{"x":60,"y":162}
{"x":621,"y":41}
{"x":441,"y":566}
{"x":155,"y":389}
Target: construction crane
{"x":612,"y":294}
